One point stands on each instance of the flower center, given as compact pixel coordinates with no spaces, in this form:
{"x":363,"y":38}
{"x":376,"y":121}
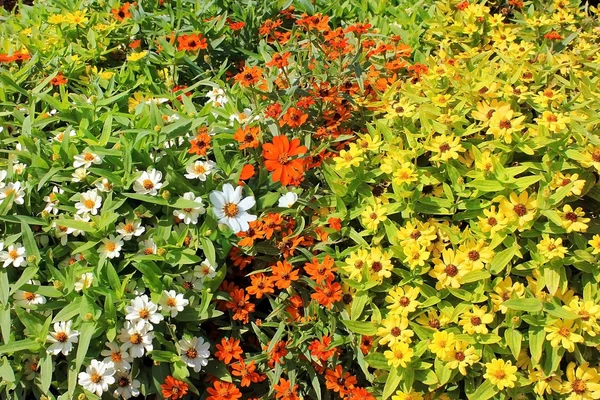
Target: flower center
{"x":578,"y":386}
{"x":123,"y":381}
{"x":564,"y":332}
{"x":520,"y":209}
{"x":89,"y":157}
{"x":404,"y":301}
{"x":171,"y":302}
{"x":199,"y":169}
{"x":13,"y":254}
{"x":475,"y":321}
{"x":283,"y":158}
{"x":116,"y":356}
{"x":136,"y":338}
{"x":148,"y":184}
{"x":434,"y":323}
{"x":499,"y":374}
{"x":144,"y":314}
{"x":460,"y":356}
{"x":377,"y":266}
{"x":230,"y":210}
{"x":492,"y":221}
{"x":505,"y":124}
{"x":110,"y":246}
{"x":128,"y":228}
{"x":395,"y":331}
{"x":571,"y":216}
{"x":148,"y":251}
{"x":473,"y":255}
{"x":451,"y":270}
{"x":191,"y":353}
{"x":444,"y":148}
{"x":96,"y":377}
{"x":29,"y":296}
{"x":62,"y":337}
{"x":89,"y":204}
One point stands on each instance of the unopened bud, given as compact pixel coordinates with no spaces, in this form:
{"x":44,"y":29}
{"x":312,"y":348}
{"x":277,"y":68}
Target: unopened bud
{"x":82,"y":396}
{"x":156,"y":128}
{"x":31,"y":259}
{"x":161,"y":252}
{"x":208,"y":232}
{"x":58,"y":285}
{"x":88,"y":316}
{"x":166,"y":194}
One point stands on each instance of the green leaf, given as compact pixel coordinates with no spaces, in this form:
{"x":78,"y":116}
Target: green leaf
{"x":20,"y":345}
{"x":377,"y":360}
{"x":392,"y":382}
{"x":360,"y":327}
{"x":501,"y":260}
{"x":209,"y":250}
{"x":531,"y":304}
{"x":358,"y":304}
{"x":485,"y":391}
{"x":85,"y":337}
{"x":513,"y":339}
{"x":29,"y":243}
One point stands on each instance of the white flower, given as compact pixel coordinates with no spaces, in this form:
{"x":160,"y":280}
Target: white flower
{"x":13,"y":188}
{"x":136,"y":338}
{"x":156,"y":100}
{"x":148,"y":182}
{"x":117,"y":355}
{"x":230,"y":208}
{"x":86,"y":159}
{"x":2,"y":178}
{"x":25,"y":299}
{"x":195,"y":352}
{"x":32,"y":367}
{"x":205,"y":270}
{"x":126,"y":387}
{"x":217,"y":97}
{"x":62,"y":232}
{"x":130,"y":228}
{"x":189,"y":215}
{"x":62,"y":338}
{"x":19,"y":168}
{"x":77,"y":217}
{"x":111,"y":246}
{"x":97,"y":377}
{"x":89,"y":202}
{"x":190,"y":281}
{"x":287,"y":200}
{"x":200,"y":170}
{"x":104,"y":185}
{"x":243,"y":117}
{"x":147,"y":247}
{"x":79,"y":175}
{"x":60,"y":136}
{"x":15,"y":255}
{"x":172,"y":302}
{"x":52,"y":201}
{"x":143,"y":309}
{"x":84,"y":282}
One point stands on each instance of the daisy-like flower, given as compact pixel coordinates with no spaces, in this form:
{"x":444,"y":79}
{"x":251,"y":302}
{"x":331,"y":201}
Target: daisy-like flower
{"x":79,"y":175}
{"x":573,"y":220}
{"x":147,"y":247}
{"x":461,"y":356}
{"x":117,"y":355}
{"x":195,"y":352}
{"x":89,"y":202}
{"x":501,"y":373}
{"x":189,"y":215}
{"x":111,"y":246}
{"x":103,"y":185}
{"x":231,"y":209}
{"x":476,"y":321}
{"x":583,"y":382}
{"x":26,"y":299}
{"x":84,"y":281}
{"x":200,"y":170}
{"x":444,"y":147}
{"x":126,"y":386}
{"x":136,"y":338}
{"x":287,"y":200}
{"x":190,"y":281}
{"x":86,"y":159}
{"x":217,"y":97}
{"x":148,"y":182}
{"x":97,"y":377}
{"x":19,"y":168}
{"x":18,"y":196}
{"x":441,"y":343}
{"x":52,"y":201}
{"x":205,"y":270}
{"x":399,"y":354}
{"x":129,"y":229}
{"x":172,"y":302}
{"x":32,"y":367}
{"x":62,"y":338}
{"x":15,"y":255}
{"x":143,"y":309}
{"x":564,"y":333}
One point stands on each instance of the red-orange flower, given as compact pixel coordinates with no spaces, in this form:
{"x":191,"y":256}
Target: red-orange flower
{"x":277,"y":353}
{"x":261,"y":285}
{"x":253,"y":233}
{"x":271,"y":224}
{"x":240,"y":305}
{"x":359,"y":394}
{"x":327,"y":294}
{"x":59,"y":79}
{"x":335,"y":223}
{"x":279,"y":60}
{"x":122,"y":12}
{"x":229,"y":349}
{"x":321,"y":271}
{"x":236,"y":26}
{"x":278,"y":159}
{"x":284,"y":274}
{"x":200,"y":144}
{"x":366,"y":342}
{"x":223,"y":391}
{"x":247,"y":137}
{"x":319,"y":348}
{"x":293,"y":117}
{"x":249,"y":76}
{"x":247,"y":172}
{"x":553,"y":35}
{"x":173,"y":389}
{"x":285,"y":391}
{"x":247,"y":372}
{"x":273,"y":111}
{"x":338,"y":381}
{"x":192,"y":42}
{"x":239,"y":259}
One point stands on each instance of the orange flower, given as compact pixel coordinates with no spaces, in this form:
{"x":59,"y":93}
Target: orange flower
{"x":229,"y":349}
{"x":288,"y":245}
{"x":261,"y":284}
{"x":236,"y":26}
{"x":247,"y":137}
{"x":327,"y":294}
{"x":240,"y":305}
{"x":246,"y":372}
{"x":284,"y":275}
{"x":249,"y":76}
{"x":271,"y":224}
{"x":173,"y":389}
{"x":122,"y":12}
{"x":136,"y":44}
{"x":192,"y":42}
{"x":200,"y":144}
{"x":269,"y":26}
{"x":293,"y":117}
{"x":58,"y":80}
{"x":553,"y":35}
{"x":223,"y":391}
{"x":338,"y":381}
{"x":359,"y":394}
{"x":366,"y":342}
{"x":321,"y":271}
{"x":253,"y":233}
{"x":273,"y":111}
{"x":335,"y":223}
{"x":239,"y":259}
{"x":285,"y":391}
{"x":277,"y":353}
{"x":279,"y":60}
{"x":318,"y":348}
{"x":247,"y":173}
{"x":277,"y":159}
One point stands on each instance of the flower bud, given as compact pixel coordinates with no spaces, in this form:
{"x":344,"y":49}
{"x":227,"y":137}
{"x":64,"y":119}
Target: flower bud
{"x":162,"y":252}
{"x":166,"y":194}
{"x":58,"y":285}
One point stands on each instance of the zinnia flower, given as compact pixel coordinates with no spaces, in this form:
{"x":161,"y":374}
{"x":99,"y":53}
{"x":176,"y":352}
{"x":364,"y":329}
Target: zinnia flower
{"x":278,"y":159}
{"x":231,"y":209}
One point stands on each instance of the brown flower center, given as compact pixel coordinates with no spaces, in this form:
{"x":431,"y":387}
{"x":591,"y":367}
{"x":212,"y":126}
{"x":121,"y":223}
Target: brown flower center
{"x":376,"y":267}
{"x":116,"y":356}
{"x":475,"y":321}
{"x":444,"y":148}
{"x":96,"y":377}
{"x":148,"y":184}
{"x":29,"y":296}
{"x":404,"y":301}
{"x":136,"y":338}
{"x":451,"y":270}
{"x":520,"y":209}
{"x":395,"y":331}
{"x":191,"y":353}
{"x":144,"y":314}
{"x":230,"y":210}
{"x":473,"y":255}
{"x":460,"y":356}
{"x":123,"y":381}
{"x":505,"y":124}
{"x":579,"y":386}
{"x":571,"y":216}
{"x":62,"y":337}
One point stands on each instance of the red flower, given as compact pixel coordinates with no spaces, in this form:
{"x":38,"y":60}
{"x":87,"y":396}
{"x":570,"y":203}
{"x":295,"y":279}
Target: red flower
{"x":273,"y":111}
{"x":335,"y":223}
{"x":173,"y":389}
{"x":279,"y":60}
{"x":249,"y":76}
{"x":293,"y":117}
{"x":236,"y":26}
{"x":59,"y":79}
{"x":277,"y":159}
{"x":223,"y":391}
{"x":338,"y":381}
{"x":553,"y":36}
{"x":246,"y":372}
{"x":318,"y":348}
{"x":192,"y":42}
{"x":200,"y":144}
{"x":122,"y":12}
{"x":247,"y":137}
{"x":327,"y":294}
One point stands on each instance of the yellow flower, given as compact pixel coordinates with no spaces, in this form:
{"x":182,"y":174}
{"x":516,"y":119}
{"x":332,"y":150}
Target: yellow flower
{"x":404,"y":174}
{"x":548,"y":97}
{"x":441,"y":100}
{"x":394,"y":330}
{"x":560,"y":180}
{"x":563,"y":333}
{"x":372,"y":216}
{"x":370,"y":143}
{"x":591,"y":157}
{"x":56,"y":19}
{"x":106,"y":74}
{"x":492,"y":222}
{"x":415,"y":255}
{"x":421,"y":233}
{"x":349,"y":158}
{"x":476,"y":321}
{"x":441,"y":343}
{"x":521,"y":208}
{"x":137,"y":99}
{"x":589,"y":313}
{"x":380,"y":264}
{"x":504,"y":123}
{"x":545,"y":384}
{"x":399,"y":355}
{"x":137,"y":56}
{"x":444,"y":147}
{"x":550,"y":248}
{"x":355,"y":264}
{"x":484,"y":163}
{"x":501,"y":373}
{"x":412,"y":395}
{"x":449,"y":269}
{"x":77,"y":18}
{"x":403,"y":300}
{"x":582,"y":383}
{"x":461,"y":356}
{"x":555,"y":122}
{"x":573,"y":220}
{"x":477,"y":254}
{"x":402,"y":108}
{"x":432,"y":320}
{"x":504,"y":290}
{"x":595,"y":244}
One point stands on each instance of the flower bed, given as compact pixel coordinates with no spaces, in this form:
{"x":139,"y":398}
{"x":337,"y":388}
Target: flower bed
{"x":205,"y":200}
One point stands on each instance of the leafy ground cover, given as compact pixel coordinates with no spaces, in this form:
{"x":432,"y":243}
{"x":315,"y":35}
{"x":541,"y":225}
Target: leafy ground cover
{"x":364,"y":200}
